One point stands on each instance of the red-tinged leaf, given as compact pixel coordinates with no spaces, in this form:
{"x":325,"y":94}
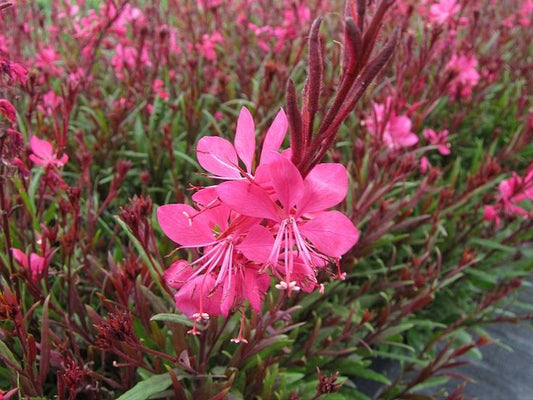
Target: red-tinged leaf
{"x":45,"y":343}
{"x":179,"y":392}
{"x":31,"y":352}
{"x":294,"y":119}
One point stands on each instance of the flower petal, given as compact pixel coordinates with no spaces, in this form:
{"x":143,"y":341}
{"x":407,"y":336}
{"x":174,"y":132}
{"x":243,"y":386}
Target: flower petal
{"x":185,"y":225}
{"x":254,"y":287}
{"x":325,"y":186}
{"x":331,"y":232}
{"x":274,"y":137}
{"x":199,"y":295}
{"x":178,"y":274}
{"x":287,"y":182}
{"x":217,"y":155}
{"x":247,"y":199}
{"x":245,"y":138}
{"x":41,"y":148}
{"x":20,"y":257}
{"x":257,"y":245}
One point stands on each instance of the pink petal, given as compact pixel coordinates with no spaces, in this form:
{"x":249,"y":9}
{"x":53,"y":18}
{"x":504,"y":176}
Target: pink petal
{"x":217,"y":212}
{"x":38,"y":161}
{"x":199,"y":295}
{"x":287,"y":182}
{"x":228,"y":296}
{"x":63,"y":160}
{"x":177,"y":222}
{"x":255,"y":286}
{"x":245,"y":138}
{"x":36,"y":265}
{"x":247,"y":199}
{"x":325,"y":186}
{"x":41,"y":148}
{"x":217,"y":155}
{"x":20,"y":257}
{"x":177,"y":274}
{"x":274,"y":137}
{"x":257,"y":244}
{"x":331,"y":232}
{"x":444,"y":150}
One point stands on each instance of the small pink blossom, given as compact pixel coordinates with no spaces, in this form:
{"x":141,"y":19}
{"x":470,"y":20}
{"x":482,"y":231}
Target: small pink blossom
{"x":208,"y":45}
{"x":393,"y":129}
{"x":43,"y":154}
{"x":444,"y":10}
{"x":439,"y":139}
{"x":34,"y":264}
{"x":526,"y":13}
{"x":159,"y":88}
{"x":512,"y":192}
{"x":464,"y":75}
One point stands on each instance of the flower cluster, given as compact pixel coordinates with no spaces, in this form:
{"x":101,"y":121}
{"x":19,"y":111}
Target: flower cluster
{"x":513,"y":193}
{"x":261,"y":221}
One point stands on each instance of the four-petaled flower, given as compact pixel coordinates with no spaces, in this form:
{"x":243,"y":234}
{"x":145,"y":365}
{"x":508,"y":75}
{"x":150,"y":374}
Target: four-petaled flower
{"x":43,"y":154}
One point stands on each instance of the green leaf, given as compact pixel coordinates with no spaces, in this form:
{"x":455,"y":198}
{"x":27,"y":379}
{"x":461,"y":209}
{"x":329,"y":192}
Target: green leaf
{"x":358,"y":369}
{"x":143,"y":390}
{"x":430,"y":382}
{"x":399,"y":357}
{"x":177,"y":318}
{"x":5,"y":352}
{"x":493,"y":245}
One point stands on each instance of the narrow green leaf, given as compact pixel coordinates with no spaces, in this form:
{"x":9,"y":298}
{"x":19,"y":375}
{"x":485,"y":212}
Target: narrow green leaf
{"x":143,"y":390}
{"x":177,"y":318}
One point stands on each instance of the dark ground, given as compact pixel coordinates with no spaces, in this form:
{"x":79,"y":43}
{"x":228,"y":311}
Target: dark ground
{"x":502,"y":374}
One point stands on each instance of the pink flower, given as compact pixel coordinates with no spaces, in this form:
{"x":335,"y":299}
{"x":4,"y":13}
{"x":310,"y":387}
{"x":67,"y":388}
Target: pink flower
{"x":513,"y":191}
{"x":51,"y":102}
{"x":394,"y":130}
{"x":222,"y":277}
{"x":221,"y":158}
{"x":43,"y":154}
{"x":443,"y":11}
{"x":438,"y":139}
{"x":465,"y":75}
{"x":306,"y":236}
{"x":159,"y":88}
{"x":34,"y":264}
{"x":208,"y":45}
{"x":526,"y":13}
